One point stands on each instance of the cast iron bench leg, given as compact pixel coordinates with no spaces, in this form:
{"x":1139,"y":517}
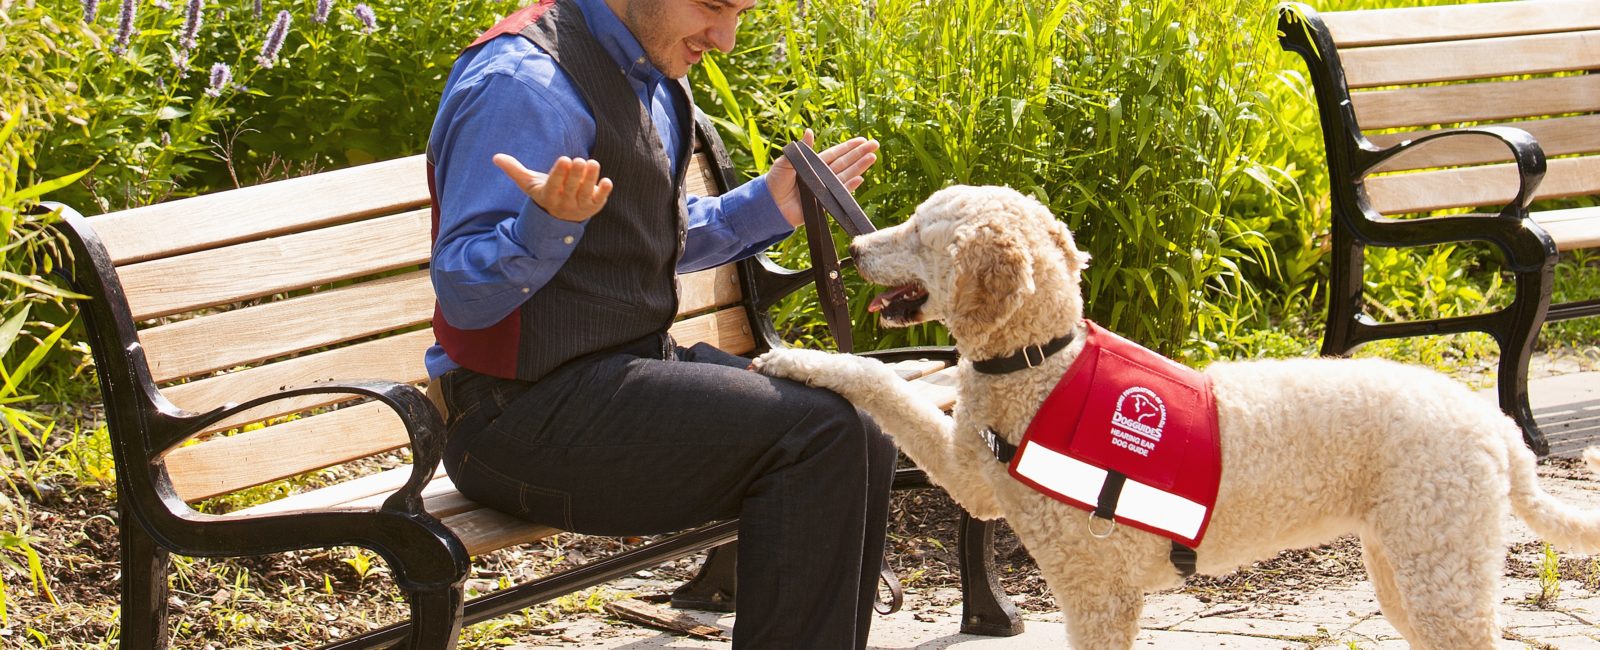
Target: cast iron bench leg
{"x":144,"y":586}
{"x":712,"y":589}
{"x":435,"y":618}
{"x":985,"y":608}
{"x":1516,"y":346}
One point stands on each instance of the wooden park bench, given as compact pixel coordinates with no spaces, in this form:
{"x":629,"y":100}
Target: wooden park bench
{"x":1486,"y":106}
{"x":301,"y":308}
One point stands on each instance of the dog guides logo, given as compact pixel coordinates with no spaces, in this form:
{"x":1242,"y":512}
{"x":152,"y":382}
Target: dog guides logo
{"x":1137,"y":422}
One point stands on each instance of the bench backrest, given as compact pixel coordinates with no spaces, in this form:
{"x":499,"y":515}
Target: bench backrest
{"x":324,"y":278}
{"x":1410,"y":71}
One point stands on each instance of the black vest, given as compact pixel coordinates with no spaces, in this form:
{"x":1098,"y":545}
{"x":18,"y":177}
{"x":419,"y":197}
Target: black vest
{"x":619,"y":285}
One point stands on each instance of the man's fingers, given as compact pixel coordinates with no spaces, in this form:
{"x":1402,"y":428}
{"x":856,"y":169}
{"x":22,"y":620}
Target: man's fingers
{"x":602,"y":191}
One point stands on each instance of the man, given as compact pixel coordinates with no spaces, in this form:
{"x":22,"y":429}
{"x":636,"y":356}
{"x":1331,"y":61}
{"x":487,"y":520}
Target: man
{"x":569,"y":403}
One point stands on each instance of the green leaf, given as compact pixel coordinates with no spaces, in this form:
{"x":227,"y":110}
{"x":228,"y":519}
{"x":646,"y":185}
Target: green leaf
{"x":41,"y":286}
{"x":10,"y":329}
{"x":41,"y":189}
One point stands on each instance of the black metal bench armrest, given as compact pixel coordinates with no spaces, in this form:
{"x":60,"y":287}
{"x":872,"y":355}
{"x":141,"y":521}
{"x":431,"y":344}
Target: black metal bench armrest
{"x":1525,"y":151}
{"x":423,"y":425}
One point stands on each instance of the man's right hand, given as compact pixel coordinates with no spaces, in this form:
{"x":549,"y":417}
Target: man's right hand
{"x":572,"y":191}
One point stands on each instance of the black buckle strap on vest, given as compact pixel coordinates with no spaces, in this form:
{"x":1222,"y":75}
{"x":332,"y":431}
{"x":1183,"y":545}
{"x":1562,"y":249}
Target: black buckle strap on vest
{"x":1003,"y":451}
{"x":1182,"y":557}
{"x":1027,"y":357}
{"x":822,"y":193}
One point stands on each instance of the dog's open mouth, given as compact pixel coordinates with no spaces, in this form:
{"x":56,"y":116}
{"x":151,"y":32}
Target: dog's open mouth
{"x":901,"y":305}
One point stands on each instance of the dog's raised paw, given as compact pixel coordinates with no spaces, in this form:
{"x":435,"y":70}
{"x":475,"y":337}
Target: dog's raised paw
{"x":791,"y":363}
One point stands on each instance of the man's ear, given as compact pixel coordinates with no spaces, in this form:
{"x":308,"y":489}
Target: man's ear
{"x":994,"y":271}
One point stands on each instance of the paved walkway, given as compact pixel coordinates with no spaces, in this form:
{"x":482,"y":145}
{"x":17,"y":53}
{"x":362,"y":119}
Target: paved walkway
{"x":1344,"y":617}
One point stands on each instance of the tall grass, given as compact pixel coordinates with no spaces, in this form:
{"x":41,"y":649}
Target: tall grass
{"x":1150,"y":128}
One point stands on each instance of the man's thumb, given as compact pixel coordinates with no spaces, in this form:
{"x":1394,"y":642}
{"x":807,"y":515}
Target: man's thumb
{"x":525,"y":178}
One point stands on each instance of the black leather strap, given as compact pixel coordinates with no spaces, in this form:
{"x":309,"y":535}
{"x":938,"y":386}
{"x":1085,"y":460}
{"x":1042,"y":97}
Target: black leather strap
{"x":822,"y":193}
{"x":1183,"y":559}
{"x":1003,"y":451}
{"x":1027,"y":357}
{"x":897,"y":595}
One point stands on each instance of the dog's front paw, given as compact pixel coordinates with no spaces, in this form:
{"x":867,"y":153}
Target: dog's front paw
{"x":795,"y":364}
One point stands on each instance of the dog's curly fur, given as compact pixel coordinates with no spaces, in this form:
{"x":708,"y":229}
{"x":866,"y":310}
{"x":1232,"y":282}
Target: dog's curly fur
{"x":1419,"y":467}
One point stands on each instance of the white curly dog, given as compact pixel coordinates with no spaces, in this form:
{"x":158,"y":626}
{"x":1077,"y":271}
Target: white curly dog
{"x":1418,"y":466}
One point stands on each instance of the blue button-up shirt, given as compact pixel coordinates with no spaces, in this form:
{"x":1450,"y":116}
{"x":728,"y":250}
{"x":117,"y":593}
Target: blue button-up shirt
{"x":495,"y":246}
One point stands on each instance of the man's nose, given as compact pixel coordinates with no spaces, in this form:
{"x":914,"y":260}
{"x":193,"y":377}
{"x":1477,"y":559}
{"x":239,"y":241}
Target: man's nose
{"x":723,"y":33}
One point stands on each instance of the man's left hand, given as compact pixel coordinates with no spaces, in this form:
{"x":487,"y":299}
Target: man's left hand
{"x":849,"y":160}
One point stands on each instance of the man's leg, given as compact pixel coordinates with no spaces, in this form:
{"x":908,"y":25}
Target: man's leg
{"x":625,"y":445}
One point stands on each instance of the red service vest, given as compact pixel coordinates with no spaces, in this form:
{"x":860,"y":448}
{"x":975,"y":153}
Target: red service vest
{"x":1122,"y":410}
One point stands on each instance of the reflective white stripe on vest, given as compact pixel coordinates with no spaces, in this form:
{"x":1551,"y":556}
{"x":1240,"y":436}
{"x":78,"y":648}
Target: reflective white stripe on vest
{"x":1081,"y":481}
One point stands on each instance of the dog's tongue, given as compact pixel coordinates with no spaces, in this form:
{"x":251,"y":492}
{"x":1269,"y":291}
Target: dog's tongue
{"x":883,"y":299}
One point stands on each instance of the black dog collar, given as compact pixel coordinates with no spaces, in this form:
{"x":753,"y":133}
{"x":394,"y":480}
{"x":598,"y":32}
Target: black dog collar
{"x":1027,"y":357}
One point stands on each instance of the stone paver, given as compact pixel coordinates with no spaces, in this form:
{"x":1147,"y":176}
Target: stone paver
{"x":1342,"y":617}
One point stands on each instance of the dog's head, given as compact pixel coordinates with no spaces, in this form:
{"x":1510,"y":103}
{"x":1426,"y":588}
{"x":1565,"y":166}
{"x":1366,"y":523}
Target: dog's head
{"x":992,"y":264}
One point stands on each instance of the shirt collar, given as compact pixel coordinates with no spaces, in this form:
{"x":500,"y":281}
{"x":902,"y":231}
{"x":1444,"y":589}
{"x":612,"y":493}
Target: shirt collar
{"x":618,"y":41}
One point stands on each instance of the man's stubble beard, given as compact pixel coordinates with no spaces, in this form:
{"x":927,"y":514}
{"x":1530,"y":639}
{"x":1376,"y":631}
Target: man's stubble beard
{"x":645,"y":19}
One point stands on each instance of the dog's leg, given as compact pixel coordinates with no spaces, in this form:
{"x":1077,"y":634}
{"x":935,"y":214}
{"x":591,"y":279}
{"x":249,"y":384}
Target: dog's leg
{"x":920,"y":429}
{"x":1444,"y":576}
{"x":1381,"y":571}
{"x":1101,"y":609}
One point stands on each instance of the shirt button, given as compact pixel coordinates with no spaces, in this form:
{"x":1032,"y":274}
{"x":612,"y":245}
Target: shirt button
{"x":567,"y":240}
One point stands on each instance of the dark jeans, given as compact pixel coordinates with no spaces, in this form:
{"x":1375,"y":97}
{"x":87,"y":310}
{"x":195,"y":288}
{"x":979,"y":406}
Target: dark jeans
{"x":629,"y":443}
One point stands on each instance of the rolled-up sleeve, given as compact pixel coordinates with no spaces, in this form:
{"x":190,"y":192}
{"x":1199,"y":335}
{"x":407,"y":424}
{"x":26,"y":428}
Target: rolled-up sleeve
{"x":732,"y":226}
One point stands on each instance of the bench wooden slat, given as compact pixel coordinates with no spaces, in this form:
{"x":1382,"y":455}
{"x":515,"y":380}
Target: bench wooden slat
{"x":939,"y":387}
{"x":251,"y":458}
{"x":396,"y":358}
{"x":1476,"y":186}
{"x":1558,"y":136}
{"x":243,"y":271}
{"x":1476,"y":102}
{"x":1423,"y":24}
{"x":709,"y":289}
{"x":1573,"y":228}
{"x":1392,"y":65}
{"x":244,"y":336}
{"x":484,"y":530}
{"x":727,"y":329}
{"x":383,"y":483}
{"x":917,"y":368}
{"x":261,"y":211}
{"x":698,"y":179}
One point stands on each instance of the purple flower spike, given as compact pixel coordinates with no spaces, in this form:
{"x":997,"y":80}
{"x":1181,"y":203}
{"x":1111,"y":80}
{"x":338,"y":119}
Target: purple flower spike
{"x":220,"y":76}
{"x":323,"y":7}
{"x":91,"y":8}
{"x":256,"y":11}
{"x":369,"y":21}
{"x":275,"y":36}
{"x":191,"y":24}
{"x":125,"y":28}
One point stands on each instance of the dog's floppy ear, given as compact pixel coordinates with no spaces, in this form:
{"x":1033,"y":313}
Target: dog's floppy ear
{"x":994,"y":271}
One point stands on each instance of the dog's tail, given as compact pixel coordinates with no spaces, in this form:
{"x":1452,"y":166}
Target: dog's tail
{"x":1561,"y":525}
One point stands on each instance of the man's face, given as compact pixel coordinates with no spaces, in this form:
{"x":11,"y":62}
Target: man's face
{"x":676,"y":33}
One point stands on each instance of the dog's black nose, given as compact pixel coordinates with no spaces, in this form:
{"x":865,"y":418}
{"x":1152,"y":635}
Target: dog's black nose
{"x":852,"y":250}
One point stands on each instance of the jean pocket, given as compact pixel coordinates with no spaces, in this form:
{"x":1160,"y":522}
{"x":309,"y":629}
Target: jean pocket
{"x":489,"y":486}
